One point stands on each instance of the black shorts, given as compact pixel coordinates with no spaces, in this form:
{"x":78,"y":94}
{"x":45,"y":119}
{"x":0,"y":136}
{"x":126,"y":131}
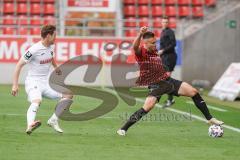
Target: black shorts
{"x":168,"y":86}
{"x":169,"y":61}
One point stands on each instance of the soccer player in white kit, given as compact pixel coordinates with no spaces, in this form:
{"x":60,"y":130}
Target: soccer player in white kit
{"x":39,"y":57}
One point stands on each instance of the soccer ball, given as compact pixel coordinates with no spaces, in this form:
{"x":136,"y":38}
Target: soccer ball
{"x":215,"y":131}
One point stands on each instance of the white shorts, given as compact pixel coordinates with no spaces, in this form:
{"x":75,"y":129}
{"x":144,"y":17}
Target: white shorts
{"x":36,"y":89}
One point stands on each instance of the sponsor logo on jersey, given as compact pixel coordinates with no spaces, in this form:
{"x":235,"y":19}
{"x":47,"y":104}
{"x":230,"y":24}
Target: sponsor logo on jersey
{"x":46,"y":61}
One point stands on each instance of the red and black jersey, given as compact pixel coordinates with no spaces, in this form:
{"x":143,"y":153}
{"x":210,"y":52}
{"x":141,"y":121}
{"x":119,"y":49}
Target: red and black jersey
{"x":151,"y":67}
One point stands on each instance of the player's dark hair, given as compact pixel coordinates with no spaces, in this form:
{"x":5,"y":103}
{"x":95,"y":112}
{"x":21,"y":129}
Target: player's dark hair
{"x":165,"y":17}
{"x":47,"y":29}
{"x":148,"y":34}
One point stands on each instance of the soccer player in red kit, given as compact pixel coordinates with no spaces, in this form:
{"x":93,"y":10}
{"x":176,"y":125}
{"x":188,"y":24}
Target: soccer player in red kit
{"x":159,"y":82}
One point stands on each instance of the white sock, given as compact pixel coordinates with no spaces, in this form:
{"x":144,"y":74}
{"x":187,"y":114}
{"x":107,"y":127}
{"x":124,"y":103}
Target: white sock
{"x":31,"y":113}
{"x":54,"y":117}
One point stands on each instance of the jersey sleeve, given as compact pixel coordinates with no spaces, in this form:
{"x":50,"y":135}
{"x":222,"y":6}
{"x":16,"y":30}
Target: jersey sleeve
{"x":27,"y":56}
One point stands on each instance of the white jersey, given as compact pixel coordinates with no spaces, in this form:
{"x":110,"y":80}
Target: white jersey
{"x":39,"y":59}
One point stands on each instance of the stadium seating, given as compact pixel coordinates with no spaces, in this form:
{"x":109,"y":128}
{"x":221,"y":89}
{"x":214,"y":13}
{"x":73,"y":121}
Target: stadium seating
{"x":143,"y":11}
{"x":197,"y":2}
{"x":157,"y":32}
{"x":49,"y":20}
{"x":49,"y":9}
{"x":35,"y":1}
{"x":184,"y":2}
{"x":130,"y":22}
{"x":157,"y":11}
{"x":157,"y":23}
{"x":197,"y":12}
{"x":142,"y":2}
{"x":22,"y":30}
{"x":27,"y":13}
{"x":9,"y":31}
{"x":36,"y":20}
{"x":18,"y":16}
{"x":131,"y":33}
{"x":170,"y":2}
{"x":172,"y":22}
{"x":157,"y":2}
{"x":171,"y":11}
{"x":184,"y":11}
{"x":35,"y":31}
{"x":22,"y":8}
{"x":129,"y":1}
{"x":48,"y":1}
{"x":144,"y":21}
{"x":9,"y":20}
{"x":22,"y":20}
{"x":8,"y":8}
{"x":22,"y":1}
{"x":154,"y":9}
{"x":129,"y":10}
{"x":210,"y":3}
{"x":35,"y":9}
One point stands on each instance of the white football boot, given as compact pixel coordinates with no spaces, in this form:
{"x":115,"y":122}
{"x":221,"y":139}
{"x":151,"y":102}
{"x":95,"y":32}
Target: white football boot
{"x":215,"y":121}
{"x":54,"y":125}
{"x":121,"y":132}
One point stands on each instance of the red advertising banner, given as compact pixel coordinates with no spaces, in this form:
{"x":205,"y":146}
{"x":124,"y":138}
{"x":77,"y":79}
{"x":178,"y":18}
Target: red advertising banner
{"x":11,"y":49}
{"x":92,"y":5}
{"x":88,"y":3}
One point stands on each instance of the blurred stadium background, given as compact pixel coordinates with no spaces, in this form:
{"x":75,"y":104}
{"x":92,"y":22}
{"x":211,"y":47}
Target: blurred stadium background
{"x":208,"y":38}
{"x":207,"y":31}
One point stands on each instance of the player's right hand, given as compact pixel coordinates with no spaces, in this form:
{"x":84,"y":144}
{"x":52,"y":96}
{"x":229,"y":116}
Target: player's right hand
{"x":14,"y":90}
{"x":143,"y":29}
{"x":58,"y":71}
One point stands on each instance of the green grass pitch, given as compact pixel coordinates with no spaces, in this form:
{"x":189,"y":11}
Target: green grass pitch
{"x":184,"y":138}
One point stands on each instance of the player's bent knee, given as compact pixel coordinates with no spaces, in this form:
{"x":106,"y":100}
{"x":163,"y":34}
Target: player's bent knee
{"x":187,"y":90}
{"x":38,"y":101}
{"x":193,"y":92}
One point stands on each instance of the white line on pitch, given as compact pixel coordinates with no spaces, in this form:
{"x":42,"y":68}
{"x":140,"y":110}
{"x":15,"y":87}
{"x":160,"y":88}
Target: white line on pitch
{"x":177,"y":111}
{"x":22,"y":115}
{"x":211,"y":107}
{"x":118,"y":117}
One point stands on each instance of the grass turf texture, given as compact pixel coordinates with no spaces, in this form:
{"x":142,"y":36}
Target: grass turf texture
{"x":168,"y":139}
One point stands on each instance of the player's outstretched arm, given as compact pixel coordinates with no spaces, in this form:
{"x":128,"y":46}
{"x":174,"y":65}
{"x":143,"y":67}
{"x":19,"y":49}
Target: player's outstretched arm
{"x":137,"y":40}
{"x":16,"y":74}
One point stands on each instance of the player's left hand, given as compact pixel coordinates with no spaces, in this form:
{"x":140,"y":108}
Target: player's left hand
{"x":160,"y":52}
